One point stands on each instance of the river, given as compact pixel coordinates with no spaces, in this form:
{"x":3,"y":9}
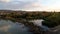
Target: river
{"x":39,"y":23}
{"x":9,"y":27}
{"x":54,"y":30}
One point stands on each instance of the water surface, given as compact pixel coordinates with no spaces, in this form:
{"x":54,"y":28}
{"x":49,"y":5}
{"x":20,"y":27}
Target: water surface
{"x":9,"y":27}
{"x":39,"y":23}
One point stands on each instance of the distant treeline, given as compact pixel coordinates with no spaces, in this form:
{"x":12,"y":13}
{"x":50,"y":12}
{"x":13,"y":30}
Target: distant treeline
{"x":25,"y":15}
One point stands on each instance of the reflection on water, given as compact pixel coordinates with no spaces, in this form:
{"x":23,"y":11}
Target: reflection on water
{"x":8,"y":27}
{"x":39,"y":23}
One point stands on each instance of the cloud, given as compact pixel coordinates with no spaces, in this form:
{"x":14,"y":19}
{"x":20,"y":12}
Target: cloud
{"x":22,"y":4}
{"x":4,"y":0}
{"x":30,"y":4}
{"x":17,"y":4}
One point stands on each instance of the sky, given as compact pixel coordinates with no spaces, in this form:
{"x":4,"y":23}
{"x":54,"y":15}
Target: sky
{"x":30,"y":5}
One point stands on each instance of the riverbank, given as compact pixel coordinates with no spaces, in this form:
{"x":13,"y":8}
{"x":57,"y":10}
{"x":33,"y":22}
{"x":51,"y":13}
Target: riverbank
{"x":33,"y":28}
{"x":51,"y":19}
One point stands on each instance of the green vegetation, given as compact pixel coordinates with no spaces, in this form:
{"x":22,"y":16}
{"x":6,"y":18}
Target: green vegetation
{"x":52,"y":20}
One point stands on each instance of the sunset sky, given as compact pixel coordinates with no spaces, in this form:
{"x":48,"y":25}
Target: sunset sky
{"x":39,"y":5}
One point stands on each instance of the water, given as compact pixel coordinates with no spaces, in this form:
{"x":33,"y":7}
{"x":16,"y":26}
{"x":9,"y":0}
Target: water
{"x":39,"y":23}
{"x":9,"y":27}
{"x":55,"y":30}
